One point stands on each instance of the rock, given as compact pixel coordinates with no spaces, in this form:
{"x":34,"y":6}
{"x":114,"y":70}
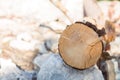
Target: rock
{"x":49,"y":43}
{"x":52,"y":45}
{"x":18,"y":39}
{"x":72,"y":7}
{"x":41,"y":59}
{"x":115,"y":51}
{"x":42,"y":48}
{"x":115,"y":47}
{"x":9,"y":71}
{"x":55,"y":69}
{"x":38,"y":9}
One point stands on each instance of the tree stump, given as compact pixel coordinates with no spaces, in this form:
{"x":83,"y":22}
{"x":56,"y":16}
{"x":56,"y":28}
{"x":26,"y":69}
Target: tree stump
{"x":80,"y":46}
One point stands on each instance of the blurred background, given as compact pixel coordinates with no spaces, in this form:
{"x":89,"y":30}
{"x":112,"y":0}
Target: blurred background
{"x":30,"y":30}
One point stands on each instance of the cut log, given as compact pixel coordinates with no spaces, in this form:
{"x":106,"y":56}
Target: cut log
{"x":79,"y":46}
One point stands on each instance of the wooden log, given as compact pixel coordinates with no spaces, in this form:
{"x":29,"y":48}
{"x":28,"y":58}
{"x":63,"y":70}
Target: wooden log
{"x":80,"y":46}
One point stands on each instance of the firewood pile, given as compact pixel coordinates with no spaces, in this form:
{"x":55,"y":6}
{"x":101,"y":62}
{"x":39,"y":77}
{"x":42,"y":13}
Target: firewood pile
{"x":59,"y":40}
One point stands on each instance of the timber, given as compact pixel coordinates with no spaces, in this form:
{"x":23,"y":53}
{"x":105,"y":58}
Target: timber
{"x":80,"y":46}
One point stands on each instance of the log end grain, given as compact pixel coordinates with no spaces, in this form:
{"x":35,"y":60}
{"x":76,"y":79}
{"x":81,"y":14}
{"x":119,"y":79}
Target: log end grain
{"x":80,"y":46}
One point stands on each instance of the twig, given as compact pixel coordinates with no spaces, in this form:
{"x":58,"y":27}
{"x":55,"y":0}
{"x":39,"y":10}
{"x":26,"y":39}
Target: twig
{"x":56,"y":31}
{"x":61,"y":8}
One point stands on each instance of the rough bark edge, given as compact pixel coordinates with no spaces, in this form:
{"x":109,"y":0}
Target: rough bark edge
{"x":93,"y":27}
{"x":98,"y":31}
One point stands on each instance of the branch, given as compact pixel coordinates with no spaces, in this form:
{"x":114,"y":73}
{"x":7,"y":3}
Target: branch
{"x":58,"y":5}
